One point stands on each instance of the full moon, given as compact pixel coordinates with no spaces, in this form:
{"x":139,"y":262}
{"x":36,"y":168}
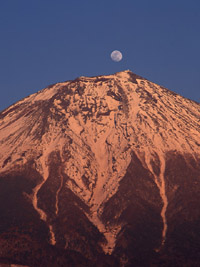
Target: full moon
{"x":116,"y":56}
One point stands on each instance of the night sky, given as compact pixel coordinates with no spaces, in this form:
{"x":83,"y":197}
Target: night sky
{"x":43,"y":42}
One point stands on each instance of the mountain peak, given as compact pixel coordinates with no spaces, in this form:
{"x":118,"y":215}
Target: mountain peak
{"x":125,"y":74}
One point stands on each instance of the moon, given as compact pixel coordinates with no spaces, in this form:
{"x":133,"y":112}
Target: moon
{"x":116,"y":56}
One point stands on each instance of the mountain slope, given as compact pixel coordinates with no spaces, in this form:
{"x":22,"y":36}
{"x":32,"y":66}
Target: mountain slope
{"x":104,"y":165}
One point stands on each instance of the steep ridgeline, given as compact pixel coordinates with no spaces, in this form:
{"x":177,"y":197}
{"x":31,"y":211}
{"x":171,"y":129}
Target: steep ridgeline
{"x":101,"y":170}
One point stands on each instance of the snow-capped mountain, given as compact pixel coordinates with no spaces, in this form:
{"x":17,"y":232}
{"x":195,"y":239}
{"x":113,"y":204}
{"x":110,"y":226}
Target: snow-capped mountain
{"x":102,"y":170}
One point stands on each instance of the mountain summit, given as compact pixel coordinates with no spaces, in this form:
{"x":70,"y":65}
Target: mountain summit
{"x":100,"y":171}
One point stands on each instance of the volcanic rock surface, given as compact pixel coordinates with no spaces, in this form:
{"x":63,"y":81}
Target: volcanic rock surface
{"x":101,"y":171}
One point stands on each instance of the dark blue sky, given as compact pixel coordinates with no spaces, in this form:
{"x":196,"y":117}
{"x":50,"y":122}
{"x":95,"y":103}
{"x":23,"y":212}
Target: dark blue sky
{"x":48,"y":41}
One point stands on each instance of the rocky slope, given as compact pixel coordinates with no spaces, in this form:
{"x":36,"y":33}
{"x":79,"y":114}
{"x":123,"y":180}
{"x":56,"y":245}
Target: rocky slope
{"x":106,"y":168}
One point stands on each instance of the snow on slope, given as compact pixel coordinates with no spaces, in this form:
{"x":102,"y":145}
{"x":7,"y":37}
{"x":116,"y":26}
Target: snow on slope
{"x":97,"y":122}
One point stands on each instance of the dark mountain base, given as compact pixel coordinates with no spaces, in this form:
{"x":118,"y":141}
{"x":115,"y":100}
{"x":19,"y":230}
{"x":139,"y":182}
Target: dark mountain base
{"x":24,"y":237}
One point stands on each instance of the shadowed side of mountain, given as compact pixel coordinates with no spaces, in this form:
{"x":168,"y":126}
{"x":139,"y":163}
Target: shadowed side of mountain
{"x":136,"y":206}
{"x":24,"y":237}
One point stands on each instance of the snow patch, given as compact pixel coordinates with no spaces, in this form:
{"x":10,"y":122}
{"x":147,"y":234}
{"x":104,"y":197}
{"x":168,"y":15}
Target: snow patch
{"x":160,"y":182}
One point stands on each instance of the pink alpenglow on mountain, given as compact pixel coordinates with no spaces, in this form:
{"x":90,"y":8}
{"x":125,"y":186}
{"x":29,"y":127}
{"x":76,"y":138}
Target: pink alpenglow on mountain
{"x":100,"y":171}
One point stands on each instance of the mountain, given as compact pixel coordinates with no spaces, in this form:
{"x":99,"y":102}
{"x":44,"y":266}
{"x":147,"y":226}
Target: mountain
{"x":100,"y":171}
